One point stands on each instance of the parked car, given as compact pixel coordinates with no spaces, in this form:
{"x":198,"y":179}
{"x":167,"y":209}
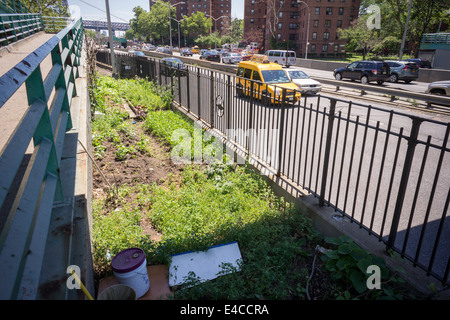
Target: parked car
{"x":403,"y":70}
{"x":365,"y":71}
{"x":303,"y":81}
{"x":422,"y":63}
{"x":186,"y":52}
{"x":231,"y":58}
{"x":439,"y":88}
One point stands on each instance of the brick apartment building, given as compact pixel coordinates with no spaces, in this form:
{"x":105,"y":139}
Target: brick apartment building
{"x":211,"y":8}
{"x":286,"y":22}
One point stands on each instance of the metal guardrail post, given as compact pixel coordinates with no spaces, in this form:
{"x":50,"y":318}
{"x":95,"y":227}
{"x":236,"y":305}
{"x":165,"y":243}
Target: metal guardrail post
{"x":281,"y":128}
{"x":412,"y":142}
{"x":326,"y":158}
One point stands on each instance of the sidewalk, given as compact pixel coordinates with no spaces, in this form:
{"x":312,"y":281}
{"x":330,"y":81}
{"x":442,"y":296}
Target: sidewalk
{"x":13,"y":110}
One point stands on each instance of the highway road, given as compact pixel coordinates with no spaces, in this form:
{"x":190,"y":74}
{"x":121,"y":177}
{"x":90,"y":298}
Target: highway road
{"x":414,"y":86}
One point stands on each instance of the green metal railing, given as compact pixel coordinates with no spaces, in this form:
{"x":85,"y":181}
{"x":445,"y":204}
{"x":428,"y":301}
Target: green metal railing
{"x":24,"y":239}
{"x":15,"y":26}
{"x":12,"y":6}
{"x":436,"y":38}
{"x":55,"y":24}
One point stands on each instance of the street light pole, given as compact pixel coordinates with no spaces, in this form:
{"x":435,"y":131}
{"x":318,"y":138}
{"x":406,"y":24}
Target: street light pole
{"x":307,"y":30}
{"x":110,"y":36}
{"x":215,"y":27}
{"x":178,"y":21}
{"x":170,"y":24}
{"x":400,"y":55}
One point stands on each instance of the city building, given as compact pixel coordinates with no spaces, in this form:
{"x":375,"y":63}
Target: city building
{"x":284,"y":24}
{"x":219,"y":10}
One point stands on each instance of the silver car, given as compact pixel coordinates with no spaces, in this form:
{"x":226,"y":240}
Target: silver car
{"x":403,"y":70}
{"x":439,"y":87}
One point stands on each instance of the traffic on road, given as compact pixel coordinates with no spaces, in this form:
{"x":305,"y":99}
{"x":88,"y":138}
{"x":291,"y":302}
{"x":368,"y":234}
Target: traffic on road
{"x":393,"y":74}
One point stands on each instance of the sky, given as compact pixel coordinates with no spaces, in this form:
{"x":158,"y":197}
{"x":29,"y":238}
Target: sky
{"x":123,"y":9}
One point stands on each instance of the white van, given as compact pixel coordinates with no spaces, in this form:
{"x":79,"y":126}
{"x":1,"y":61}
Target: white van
{"x":283,"y":57}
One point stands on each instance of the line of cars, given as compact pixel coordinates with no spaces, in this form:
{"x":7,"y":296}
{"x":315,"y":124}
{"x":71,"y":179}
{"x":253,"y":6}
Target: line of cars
{"x":380,"y":71}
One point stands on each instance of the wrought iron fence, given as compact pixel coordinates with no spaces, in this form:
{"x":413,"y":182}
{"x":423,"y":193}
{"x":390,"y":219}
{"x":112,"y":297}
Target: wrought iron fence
{"x":385,"y":170}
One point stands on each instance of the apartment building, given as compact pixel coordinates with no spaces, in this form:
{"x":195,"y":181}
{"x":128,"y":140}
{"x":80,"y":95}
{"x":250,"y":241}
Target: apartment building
{"x":219,"y":10}
{"x":274,"y":23}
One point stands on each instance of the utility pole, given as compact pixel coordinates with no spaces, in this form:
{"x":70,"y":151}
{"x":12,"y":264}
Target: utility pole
{"x":110,"y":38}
{"x":307,"y":29}
{"x":400,"y":55}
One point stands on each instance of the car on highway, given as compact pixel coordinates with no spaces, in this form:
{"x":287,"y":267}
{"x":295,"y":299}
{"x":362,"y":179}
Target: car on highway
{"x":212,"y":55}
{"x":439,"y":88}
{"x":166,"y":51}
{"x":172,"y":66}
{"x":365,"y":71}
{"x":231,"y":57}
{"x":267,"y":79}
{"x":422,"y":63}
{"x":186,"y":52}
{"x":403,"y":70}
{"x":195,"y":49}
{"x":303,"y":81}
{"x":139,"y":53}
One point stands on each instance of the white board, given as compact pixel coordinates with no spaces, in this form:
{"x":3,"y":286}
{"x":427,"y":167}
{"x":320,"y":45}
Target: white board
{"x":204,"y":264}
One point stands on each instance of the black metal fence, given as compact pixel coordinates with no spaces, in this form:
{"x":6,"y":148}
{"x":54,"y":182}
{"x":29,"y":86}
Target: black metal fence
{"x":387,"y":171}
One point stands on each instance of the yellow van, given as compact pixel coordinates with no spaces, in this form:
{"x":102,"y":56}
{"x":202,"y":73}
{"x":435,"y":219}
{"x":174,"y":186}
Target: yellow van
{"x":195,"y":49}
{"x":269,"y":79}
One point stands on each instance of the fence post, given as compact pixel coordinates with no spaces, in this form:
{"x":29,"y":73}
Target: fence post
{"x":281,"y":128}
{"x":212,"y":101}
{"x":198,"y":94}
{"x":188,"y":73}
{"x":327,"y":152}
{"x":412,"y":142}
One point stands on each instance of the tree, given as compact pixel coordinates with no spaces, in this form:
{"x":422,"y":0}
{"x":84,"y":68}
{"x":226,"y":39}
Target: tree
{"x":425,"y":17}
{"x":236,"y":30}
{"x":361,"y":36}
{"x":196,"y":25}
{"x":54,"y":8}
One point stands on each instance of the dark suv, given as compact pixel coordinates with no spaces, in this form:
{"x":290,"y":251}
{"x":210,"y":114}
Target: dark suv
{"x":365,"y":71}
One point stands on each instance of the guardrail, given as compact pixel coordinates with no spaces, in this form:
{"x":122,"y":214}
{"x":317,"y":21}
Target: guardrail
{"x":393,"y":93}
{"x":440,"y":38}
{"x":24,"y":238}
{"x":15,"y":26}
{"x":13,"y":6}
{"x":55,"y":24}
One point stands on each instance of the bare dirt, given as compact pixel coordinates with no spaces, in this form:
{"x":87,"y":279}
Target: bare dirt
{"x":155,"y":167}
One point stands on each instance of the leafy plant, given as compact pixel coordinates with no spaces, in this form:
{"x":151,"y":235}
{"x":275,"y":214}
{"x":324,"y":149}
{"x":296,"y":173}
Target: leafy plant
{"x":348,"y":264}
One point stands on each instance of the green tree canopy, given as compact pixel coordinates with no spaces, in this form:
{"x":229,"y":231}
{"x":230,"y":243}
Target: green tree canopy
{"x":360,"y":36}
{"x":197,"y":24}
{"x":46,"y":7}
{"x":425,"y":17}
